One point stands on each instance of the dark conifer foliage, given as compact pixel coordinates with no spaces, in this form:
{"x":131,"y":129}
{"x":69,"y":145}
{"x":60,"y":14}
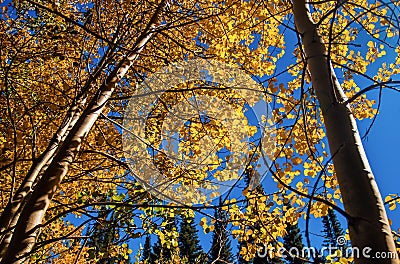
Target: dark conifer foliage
{"x":147,"y":254}
{"x":293,"y":243}
{"x":161,"y":252}
{"x":189,"y":243}
{"x":104,"y":235}
{"x":221,"y":251}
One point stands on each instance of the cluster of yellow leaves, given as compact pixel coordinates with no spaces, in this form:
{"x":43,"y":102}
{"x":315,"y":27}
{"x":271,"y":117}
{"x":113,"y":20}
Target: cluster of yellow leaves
{"x":392,"y":199}
{"x":207,"y":228}
{"x":71,"y":252}
{"x":46,"y":63}
{"x":169,"y":239}
{"x":260,"y":223}
{"x":303,"y":187}
{"x":202,"y":122}
{"x":34,"y":99}
{"x":46,"y":70}
{"x":333,"y":259}
{"x":120,"y":252}
{"x":245,"y":34}
{"x":166,"y":230}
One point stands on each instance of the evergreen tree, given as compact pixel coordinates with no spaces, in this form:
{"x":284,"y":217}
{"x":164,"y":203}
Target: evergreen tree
{"x":332,"y":229}
{"x":328,"y":232}
{"x":250,"y":182}
{"x":167,"y":252}
{"x":189,"y":243}
{"x":336,"y":226}
{"x":293,"y":239}
{"x":157,"y":252}
{"x":104,"y":235}
{"x":147,"y":255}
{"x":221,"y":251}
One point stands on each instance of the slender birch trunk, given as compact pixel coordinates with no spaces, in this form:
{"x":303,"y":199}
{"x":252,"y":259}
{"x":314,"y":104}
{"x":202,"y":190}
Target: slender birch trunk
{"x":28,"y":225}
{"x":368,"y":226}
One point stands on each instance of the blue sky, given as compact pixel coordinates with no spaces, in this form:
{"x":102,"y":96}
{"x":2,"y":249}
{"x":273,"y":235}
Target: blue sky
{"x":382,"y":146}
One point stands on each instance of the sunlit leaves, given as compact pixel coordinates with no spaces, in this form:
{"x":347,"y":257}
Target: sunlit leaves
{"x":47,"y":61}
{"x":392,"y":200}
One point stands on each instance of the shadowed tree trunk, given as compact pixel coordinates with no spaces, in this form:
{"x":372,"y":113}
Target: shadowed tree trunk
{"x":368,"y":226}
{"x":31,"y":215}
{"x":10,"y":215}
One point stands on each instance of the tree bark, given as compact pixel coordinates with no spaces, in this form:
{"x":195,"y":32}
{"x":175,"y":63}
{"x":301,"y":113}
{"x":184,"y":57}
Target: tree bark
{"x":11,"y":212}
{"x":368,"y":226}
{"x":10,"y":215}
{"x":30,"y":220}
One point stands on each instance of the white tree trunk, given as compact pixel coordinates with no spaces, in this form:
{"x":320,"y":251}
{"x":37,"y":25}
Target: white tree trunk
{"x":368,"y":226}
{"x":29,"y":222}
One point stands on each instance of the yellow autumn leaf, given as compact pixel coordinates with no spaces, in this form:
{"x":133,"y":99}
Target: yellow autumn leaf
{"x":297,"y":160}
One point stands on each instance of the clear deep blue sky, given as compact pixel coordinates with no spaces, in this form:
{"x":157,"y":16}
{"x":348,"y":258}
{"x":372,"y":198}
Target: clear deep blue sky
{"x":382,"y":146}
